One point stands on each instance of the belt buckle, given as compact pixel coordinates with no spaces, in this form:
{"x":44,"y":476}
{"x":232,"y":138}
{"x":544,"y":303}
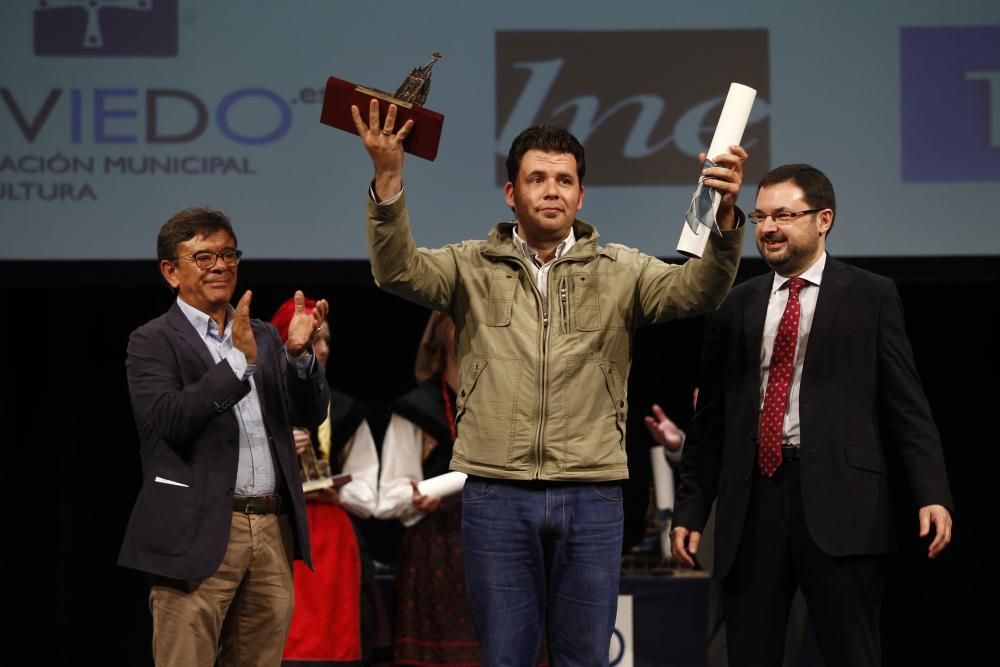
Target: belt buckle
{"x":267,"y":504}
{"x":245,"y":505}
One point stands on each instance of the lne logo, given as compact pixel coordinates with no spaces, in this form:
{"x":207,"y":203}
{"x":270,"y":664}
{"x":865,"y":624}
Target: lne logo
{"x":642,"y":102}
{"x":106,"y":28}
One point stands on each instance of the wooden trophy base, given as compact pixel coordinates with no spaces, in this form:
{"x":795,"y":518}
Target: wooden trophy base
{"x":422,"y":140}
{"x":333,"y":482}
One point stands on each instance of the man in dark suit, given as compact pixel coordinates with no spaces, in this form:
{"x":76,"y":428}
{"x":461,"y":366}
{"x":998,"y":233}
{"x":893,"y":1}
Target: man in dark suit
{"x":220,"y":515}
{"x":807,"y":379}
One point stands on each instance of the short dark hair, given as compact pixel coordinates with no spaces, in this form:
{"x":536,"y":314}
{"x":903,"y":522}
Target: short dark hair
{"x":816,"y":187}
{"x":548,"y":139}
{"x":187,"y":224}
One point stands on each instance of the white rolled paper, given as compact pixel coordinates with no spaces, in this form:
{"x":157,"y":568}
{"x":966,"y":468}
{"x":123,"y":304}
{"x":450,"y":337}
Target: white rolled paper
{"x":663,"y":478}
{"x":663,"y":492}
{"x":728,"y":132}
{"x":442,"y":485}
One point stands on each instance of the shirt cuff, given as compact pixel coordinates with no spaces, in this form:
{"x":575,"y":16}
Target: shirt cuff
{"x":238,"y":362}
{"x":675,"y":457}
{"x":303,"y":365}
{"x":383,"y":202}
{"x":741,"y":217}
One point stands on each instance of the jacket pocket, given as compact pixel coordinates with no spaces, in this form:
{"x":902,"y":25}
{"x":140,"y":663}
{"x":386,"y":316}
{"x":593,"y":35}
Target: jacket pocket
{"x":163,"y":519}
{"x":865,"y":459}
{"x":501,"y":299}
{"x":486,"y":406}
{"x":469,"y":382}
{"x":616,"y":390}
{"x":586,"y":303}
{"x":588,"y":416}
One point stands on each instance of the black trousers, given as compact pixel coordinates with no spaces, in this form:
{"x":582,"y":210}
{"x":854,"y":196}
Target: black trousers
{"x":777,"y":555}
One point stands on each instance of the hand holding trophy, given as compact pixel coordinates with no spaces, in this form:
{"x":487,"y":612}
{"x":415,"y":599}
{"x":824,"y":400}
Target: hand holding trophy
{"x":405,"y":105}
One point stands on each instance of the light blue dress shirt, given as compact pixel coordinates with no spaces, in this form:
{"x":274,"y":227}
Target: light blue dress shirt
{"x":256,"y":472}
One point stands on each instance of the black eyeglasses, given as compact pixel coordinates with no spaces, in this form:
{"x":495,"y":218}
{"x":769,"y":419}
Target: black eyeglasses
{"x":780,"y":217}
{"x":206,"y":259}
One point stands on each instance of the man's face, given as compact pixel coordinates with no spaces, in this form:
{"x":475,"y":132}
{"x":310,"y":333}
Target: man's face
{"x":792,"y":247}
{"x":546,"y":195}
{"x":208,"y":290}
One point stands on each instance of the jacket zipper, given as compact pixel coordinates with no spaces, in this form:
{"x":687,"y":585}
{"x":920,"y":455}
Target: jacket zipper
{"x":564,"y":302}
{"x":542,"y":394}
{"x":536,"y":474}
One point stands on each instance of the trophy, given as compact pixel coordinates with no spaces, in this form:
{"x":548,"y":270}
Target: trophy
{"x":316,"y":473}
{"x":409,"y":99}
{"x":417,"y":85}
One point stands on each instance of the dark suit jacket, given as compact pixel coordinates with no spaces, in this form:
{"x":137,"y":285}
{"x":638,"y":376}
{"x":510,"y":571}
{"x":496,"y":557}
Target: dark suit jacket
{"x":183,"y":402}
{"x":860,"y":394}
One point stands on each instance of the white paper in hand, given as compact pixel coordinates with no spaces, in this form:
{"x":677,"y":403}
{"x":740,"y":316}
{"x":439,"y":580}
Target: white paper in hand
{"x":700,"y":218}
{"x":442,"y":485}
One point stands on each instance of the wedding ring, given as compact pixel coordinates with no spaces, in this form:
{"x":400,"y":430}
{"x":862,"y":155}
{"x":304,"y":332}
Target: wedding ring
{"x":387,"y":132}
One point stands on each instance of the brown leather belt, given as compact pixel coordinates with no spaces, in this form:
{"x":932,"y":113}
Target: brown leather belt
{"x":269,"y":504}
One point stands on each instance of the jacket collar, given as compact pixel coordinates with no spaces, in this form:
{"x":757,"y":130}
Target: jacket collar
{"x":186,"y":332}
{"x":500,"y":242}
{"x":832,"y":295}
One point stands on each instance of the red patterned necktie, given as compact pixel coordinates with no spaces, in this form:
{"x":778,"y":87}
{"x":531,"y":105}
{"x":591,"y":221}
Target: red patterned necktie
{"x":779,"y":382}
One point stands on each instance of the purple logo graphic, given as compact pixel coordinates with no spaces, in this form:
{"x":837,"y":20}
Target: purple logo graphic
{"x":950,"y":103}
{"x":106,"y":28}
{"x":641,"y":102}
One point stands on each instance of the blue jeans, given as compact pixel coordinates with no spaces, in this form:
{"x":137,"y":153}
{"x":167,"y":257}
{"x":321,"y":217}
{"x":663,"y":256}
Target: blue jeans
{"x":542,"y":556}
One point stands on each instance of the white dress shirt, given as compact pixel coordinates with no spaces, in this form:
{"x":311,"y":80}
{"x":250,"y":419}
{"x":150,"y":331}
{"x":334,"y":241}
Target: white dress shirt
{"x":775,"y":309}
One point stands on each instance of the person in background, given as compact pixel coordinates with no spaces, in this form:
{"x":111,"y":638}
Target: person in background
{"x":432,"y":625}
{"x":332,"y":623}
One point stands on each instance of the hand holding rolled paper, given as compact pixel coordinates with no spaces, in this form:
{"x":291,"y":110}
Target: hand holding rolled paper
{"x":722,"y":174}
{"x":423,"y":502}
{"x":722,"y":178}
{"x":428,"y":493}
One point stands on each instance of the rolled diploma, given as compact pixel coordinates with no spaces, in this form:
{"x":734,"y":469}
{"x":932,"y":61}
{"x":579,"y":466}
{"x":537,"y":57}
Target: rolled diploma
{"x":728,"y":132}
{"x":442,"y":485}
{"x":663,"y":492}
{"x":663,"y":479}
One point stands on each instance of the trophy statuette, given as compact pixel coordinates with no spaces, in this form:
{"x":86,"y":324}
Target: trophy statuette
{"x":409,"y":99}
{"x":316,"y":473}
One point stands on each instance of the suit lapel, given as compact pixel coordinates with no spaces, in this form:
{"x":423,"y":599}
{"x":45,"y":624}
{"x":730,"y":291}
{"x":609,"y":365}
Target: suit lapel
{"x":260,"y":377}
{"x":832,"y":293}
{"x":186,"y":333}
{"x":754,"y":314}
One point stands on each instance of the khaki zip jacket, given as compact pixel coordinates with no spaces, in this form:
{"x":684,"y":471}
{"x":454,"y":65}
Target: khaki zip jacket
{"x":542,"y":395}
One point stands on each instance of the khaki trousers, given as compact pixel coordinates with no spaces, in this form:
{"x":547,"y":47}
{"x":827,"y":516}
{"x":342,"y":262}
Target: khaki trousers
{"x":239,"y":616}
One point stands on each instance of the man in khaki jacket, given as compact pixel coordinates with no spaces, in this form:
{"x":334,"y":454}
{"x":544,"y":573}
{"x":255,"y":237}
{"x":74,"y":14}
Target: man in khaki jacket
{"x":544,"y":318}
